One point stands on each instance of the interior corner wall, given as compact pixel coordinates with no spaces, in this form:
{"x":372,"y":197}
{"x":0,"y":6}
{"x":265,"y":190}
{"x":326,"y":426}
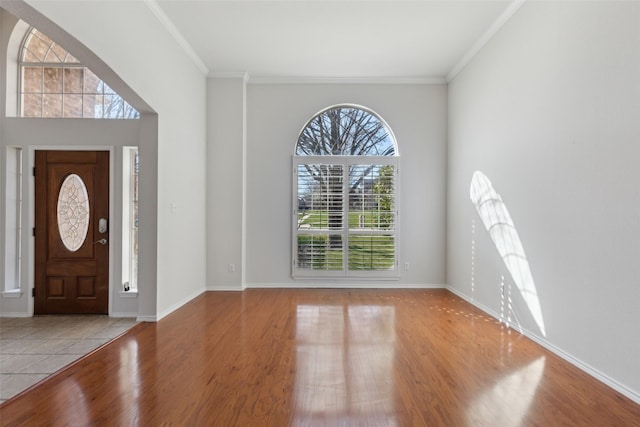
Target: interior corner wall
{"x":3,"y":162}
{"x":6,"y":23}
{"x":135,"y":45}
{"x":276,"y":113}
{"x":549,"y":112}
{"x":225,"y":182}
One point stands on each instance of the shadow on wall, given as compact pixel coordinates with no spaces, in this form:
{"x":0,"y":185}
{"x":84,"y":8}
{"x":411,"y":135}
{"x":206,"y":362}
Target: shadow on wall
{"x":496,"y":219}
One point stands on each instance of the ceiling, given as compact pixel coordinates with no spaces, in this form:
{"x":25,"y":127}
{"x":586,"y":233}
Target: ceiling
{"x":332,"y":39}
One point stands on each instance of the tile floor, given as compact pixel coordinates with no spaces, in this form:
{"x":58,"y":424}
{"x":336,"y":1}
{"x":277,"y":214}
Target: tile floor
{"x":33,"y":348}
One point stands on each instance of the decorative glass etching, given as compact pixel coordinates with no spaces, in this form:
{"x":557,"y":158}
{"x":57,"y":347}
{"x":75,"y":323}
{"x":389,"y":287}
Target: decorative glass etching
{"x":73,"y":212}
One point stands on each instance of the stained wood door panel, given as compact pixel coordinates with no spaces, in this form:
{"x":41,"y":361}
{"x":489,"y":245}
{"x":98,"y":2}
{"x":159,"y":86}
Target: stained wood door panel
{"x":71,"y":277}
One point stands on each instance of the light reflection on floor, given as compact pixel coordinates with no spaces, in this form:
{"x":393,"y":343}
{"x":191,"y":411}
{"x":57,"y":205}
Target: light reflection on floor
{"x":344,"y":360}
{"x":129,"y":378}
{"x":514,"y":392}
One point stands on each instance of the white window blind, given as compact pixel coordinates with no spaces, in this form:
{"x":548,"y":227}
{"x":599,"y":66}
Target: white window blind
{"x":345,"y":216}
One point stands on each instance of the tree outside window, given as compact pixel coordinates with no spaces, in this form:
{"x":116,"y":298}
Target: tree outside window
{"x":345,"y":170}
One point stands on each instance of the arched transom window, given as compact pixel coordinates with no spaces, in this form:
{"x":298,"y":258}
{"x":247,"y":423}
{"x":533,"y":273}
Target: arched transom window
{"x":54,"y":84}
{"x":345,"y":185}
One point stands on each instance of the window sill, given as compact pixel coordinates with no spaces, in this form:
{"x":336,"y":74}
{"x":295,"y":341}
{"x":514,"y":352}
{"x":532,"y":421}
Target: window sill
{"x":14,"y":293}
{"x":128,"y":294}
{"x":368,"y":279}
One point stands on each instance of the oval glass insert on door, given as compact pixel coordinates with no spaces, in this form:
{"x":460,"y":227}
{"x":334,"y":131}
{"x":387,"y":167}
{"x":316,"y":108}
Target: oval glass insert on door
{"x":73,"y":212}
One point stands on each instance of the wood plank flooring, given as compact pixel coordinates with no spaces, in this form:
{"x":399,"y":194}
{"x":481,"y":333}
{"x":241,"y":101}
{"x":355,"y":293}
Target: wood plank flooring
{"x":322,"y":358}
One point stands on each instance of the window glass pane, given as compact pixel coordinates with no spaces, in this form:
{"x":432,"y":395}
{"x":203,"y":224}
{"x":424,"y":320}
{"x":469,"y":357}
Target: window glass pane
{"x":72,"y":106}
{"x":134,"y":214}
{"x":320,"y":196}
{"x":70,"y":59}
{"x":37,"y":48}
{"x":130,"y":219}
{"x":52,"y":56}
{"x":73,"y":80}
{"x":13,"y":219}
{"x":99,"y":107}
{"x":32,"y":105}
{"x":42,"y":36}
{"x":58,"y":52}
{"x":346,"y":131}
{"x":319,"y":252}
{"x":92,"y":106}
{"x":51,"y":106}
{"x":32,"y":79}
{"x":52,"y":80}
{"x":134,"y":259}
{"x":28,"y":56}
{"x":108,"y":90}
{"x":371,"y":252}
{"x":371,"y":197}
{"x":66,"y":81}
{"x":91,"y":82}
{"x":130,"y":112}
{"x":113,"y":106}
{"x":73,"y":212}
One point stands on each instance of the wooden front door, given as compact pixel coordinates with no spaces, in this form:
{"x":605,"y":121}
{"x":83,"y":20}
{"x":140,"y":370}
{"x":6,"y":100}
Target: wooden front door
{"x":71,"y":232}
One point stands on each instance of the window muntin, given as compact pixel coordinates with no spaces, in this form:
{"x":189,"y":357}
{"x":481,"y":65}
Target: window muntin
{"x":345,"y":178}
{"x":53,"y":84}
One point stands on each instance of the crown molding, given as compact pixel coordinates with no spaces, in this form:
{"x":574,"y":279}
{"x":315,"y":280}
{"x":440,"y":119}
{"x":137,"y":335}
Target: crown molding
{"x":493,"y":29}
{"x":348,"y":80}
{"x":229,"y":75}
{"x":176,"y":34}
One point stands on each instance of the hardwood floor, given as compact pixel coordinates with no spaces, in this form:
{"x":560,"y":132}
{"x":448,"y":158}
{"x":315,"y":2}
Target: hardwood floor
{"x":322,"y":358}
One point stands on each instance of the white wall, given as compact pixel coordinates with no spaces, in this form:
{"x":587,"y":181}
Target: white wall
{"x":549,"y":111}
{"x":4,"y":23}
{"x":250,"y":149}
{"x":226,"y":182}
{"x":151,"y":69}
{"x":276,"y":114}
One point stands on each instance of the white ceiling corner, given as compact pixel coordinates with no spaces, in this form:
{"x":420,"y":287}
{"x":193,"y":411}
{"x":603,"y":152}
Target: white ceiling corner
{"x":177,"y":35}
{"x":328,"y":41}
{"x":484,"y":39}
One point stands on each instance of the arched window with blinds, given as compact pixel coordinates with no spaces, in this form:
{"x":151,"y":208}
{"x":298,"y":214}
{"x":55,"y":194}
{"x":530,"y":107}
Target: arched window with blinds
{"x":345,"y":181}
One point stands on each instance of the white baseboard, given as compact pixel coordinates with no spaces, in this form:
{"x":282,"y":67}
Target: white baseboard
{"x":171,"y":309}
{"x":123,"y":315}
{"x":15,"y":314}
{"x":342,"y":285}
{"x":225,"y":288}
{"x":619,"y":387}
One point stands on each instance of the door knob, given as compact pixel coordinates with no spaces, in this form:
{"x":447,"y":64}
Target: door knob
{"x":101,"y":241}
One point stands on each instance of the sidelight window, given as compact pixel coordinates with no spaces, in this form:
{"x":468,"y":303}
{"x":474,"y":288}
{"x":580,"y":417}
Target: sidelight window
{"x":131,"y":170}
{"x":13,"y":221}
